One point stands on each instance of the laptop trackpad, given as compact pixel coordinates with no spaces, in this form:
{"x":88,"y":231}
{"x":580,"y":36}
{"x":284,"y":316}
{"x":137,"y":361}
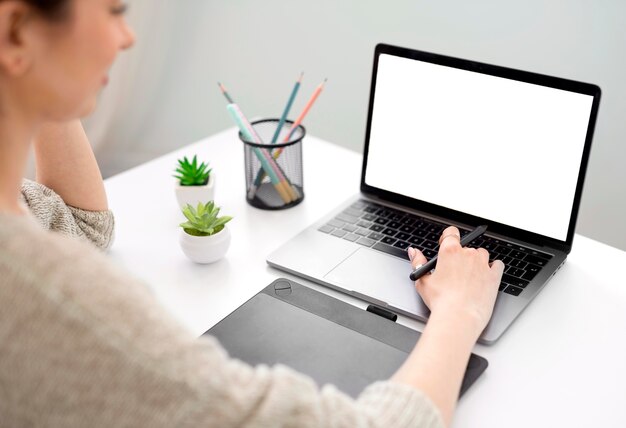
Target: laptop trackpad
{"x":379,"y":276}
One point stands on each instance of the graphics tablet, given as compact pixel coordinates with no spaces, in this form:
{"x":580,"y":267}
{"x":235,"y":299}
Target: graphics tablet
{"x":318,"y":335}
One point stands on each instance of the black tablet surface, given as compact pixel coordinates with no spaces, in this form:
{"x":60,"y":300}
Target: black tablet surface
{"x":325,"y":338}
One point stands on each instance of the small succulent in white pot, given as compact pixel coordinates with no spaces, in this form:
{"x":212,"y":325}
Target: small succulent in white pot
{"x":194,"y":182}
{"x":204,"y":236}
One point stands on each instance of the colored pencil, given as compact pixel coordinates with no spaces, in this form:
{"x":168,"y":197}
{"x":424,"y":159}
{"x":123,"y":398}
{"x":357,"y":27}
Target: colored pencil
{"x":284,"y":181}
{"x":281,"y":122}
{"x":243,"y":123}
{"x":225,"y":92}
{"x":307,"y":107}
{"x":260,"y":175}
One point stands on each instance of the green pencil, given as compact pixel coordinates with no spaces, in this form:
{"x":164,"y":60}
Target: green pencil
{"x":287,"y":108}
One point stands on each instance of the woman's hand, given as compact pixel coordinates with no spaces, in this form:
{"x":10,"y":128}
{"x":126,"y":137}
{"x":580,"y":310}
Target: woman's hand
{"x":463,"y":284}
{"x":460,"y":294}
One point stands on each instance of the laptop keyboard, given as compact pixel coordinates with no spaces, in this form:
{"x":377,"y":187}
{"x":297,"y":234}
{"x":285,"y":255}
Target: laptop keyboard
{"x":392,"y":231}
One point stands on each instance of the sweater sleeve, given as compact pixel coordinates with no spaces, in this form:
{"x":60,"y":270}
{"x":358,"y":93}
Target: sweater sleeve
{"x":88,"y":345}
{"x":52,"y":213}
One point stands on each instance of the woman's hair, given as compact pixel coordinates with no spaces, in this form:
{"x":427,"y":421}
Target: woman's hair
{"x":51,"y":9}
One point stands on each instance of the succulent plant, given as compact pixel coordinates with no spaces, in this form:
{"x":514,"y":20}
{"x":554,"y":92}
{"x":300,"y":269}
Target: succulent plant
{"x":192,"y":174}
{"x":203,"y":220}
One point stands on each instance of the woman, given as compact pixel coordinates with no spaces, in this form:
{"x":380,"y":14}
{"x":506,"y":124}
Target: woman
{"x":83,"y":343}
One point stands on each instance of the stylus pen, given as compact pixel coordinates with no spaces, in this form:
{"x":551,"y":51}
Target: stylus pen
{"x":430,"y":265}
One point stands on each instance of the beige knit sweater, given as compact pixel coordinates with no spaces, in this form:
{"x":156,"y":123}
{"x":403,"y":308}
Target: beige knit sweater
{"x":83,"y":344}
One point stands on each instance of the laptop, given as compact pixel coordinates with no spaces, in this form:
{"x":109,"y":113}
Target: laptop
{"x":455,"y":142}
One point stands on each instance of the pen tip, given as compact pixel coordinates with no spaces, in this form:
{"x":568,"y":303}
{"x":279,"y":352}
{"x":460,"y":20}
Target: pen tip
{"x":300,"y":78}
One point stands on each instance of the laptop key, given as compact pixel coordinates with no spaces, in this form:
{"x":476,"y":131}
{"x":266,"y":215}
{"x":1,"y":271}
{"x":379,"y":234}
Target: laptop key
{"x":376,"y":227}
{"x":389,"y":232}
{"x":388,"y":240}
{"x":366,"y":242}
{"x":531,"y":272}
{"x":517,"y":254}
{"x":494,"y":256}
{"x":363,"y":223}
{"x":489,"y":246}
{"x":407,"y":229}
{"x":420,"y":233}
{"x":433,"y":237}
{"x":381,"y":220}
{"x":401,"y":244}
{"x":429,"y":254}
{"x":477,"y":242}
{"x":502,"y":250}
{"x":519,"y":264}
{"x":535,"y":260}
{"x":502,"y":286}
{"x":363,"y":232}
{"x":351,"y":237}
{"x":353,"y":212}
{"x":347,"y":218}
{"x":429,"y":244}
{"x":370,"y":209}
{"x":542,"y":255}
{"x":394,"y":225}
{"x":376,"y":236}
{"x":369,"y":217}
{"x":350,"y":228}
{"x":394,"y":251}
{"x":339,"y":233}
{"x":326,"y":229}
{"x":336,"y":223}
{"x":513,"y":271}
{"x":435,"y":229}
{"x":403,"y":236}
{"x":515,"y":291}
{"x":518,"y":282}
{"x":418,"y":224}
{"x":415,"y":240}
{"x":408,"y":219}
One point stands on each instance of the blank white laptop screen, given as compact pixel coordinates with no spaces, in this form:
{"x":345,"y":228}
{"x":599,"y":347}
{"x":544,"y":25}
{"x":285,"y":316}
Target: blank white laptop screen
{"x":496,"y":148}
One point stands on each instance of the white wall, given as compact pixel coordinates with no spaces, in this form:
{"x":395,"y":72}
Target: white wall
{"x":257,"y":48}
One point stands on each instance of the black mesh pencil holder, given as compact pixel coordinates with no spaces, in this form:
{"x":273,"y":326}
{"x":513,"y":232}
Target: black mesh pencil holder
{"x":274,"y":171}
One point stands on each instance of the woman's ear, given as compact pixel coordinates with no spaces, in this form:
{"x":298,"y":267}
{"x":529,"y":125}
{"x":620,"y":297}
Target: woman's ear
{"x":15,"y":52}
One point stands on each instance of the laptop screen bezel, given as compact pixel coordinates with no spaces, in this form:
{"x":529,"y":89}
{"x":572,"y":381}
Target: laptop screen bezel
{"x":522,"y":76}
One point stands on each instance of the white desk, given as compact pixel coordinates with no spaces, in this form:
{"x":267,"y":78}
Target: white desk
{"x":561,"y":364}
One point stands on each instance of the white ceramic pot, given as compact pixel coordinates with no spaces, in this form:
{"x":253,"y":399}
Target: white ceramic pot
{"x":205,"y":249}
{"x":194,"y":194}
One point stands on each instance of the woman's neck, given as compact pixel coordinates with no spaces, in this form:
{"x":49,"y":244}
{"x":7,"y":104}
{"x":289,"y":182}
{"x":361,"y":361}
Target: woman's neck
{"x":16,"y":133}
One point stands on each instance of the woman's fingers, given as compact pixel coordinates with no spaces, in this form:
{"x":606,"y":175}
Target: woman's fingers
{"x":416,"y":257}
{"x":450,"y":239}
{"x":483,"y":254}
{"x":497,"y":267}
